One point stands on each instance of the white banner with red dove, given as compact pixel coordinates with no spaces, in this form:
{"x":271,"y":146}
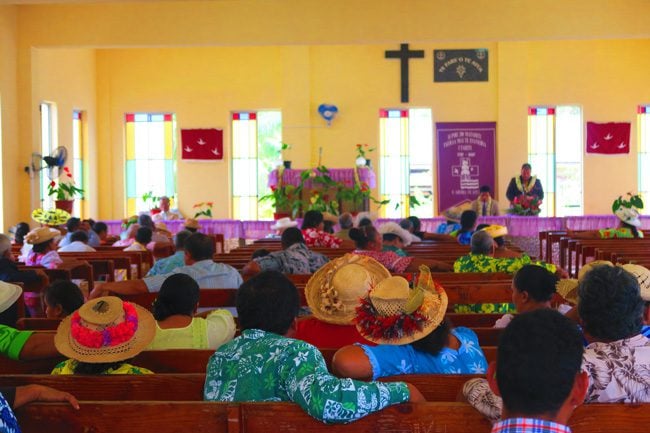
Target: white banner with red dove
{"x":202,"y":144}
{"x":608,"y":138}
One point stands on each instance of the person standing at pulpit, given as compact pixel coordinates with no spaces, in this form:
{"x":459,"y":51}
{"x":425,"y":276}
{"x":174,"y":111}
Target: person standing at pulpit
{"x":525,"y":186}
{"x":484,"y":205}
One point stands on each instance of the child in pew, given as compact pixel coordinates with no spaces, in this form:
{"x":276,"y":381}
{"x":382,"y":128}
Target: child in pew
{"x":173,"y":309}
{"x":43,"y":251}
{"x":62,"y":298}
{"x":333,"y":294}
{"x":265,"y":364}
{"x":102,"y":336}
{"x":413,"y":336}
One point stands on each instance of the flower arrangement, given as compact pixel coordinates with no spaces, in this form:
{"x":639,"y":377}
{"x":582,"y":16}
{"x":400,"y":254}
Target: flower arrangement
{"x":362,"y":149}
{"x":64,"y":188}
{"x":150,"y":201}
{"x":634,"y":201}
{"x":393,"y":327}
{"x":128,"y":222}
{"x":109,"y":336}
{"x":203,"y":209}
{"x":525,"y":205}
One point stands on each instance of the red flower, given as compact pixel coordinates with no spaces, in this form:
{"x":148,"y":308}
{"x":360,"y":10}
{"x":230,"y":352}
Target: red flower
{"x":66,"y":169}
{"x":358,"y":145}
{"x":52,"y":184}
{"x":273,"y":188}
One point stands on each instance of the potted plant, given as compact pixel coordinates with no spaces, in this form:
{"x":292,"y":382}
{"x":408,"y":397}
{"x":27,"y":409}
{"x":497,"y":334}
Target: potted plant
{"x":285,"y":199}
{"x":151,"y":201}
{"x":287,"y":163}
{"x":64,"y":190}
{"x":362,"y":159}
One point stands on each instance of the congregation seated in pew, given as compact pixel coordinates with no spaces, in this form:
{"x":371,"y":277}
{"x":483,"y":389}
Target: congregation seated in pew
{"x":62,"y":298}
{"x":9,"y":272}
{"x":78,"y":243}
{"x":43,"y":252}
{"x":168,"y":264}
{"x":412,"y":334}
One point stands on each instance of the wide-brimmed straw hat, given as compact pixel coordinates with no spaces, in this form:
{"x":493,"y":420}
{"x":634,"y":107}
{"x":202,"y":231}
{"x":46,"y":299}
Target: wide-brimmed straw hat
{"x":192,"y":223}
{"x":40,"y":235}
{"x":642,"y":275}
{"x":9,"y":294}
{"x":50,"y":217}
{"x":105,"y":329}
{"x":392,"y":313}
{"x":394,"y":228}
{"x":334,"y":291}
{"x":568,"y":288}
{"x":495,"y":230}
{"x":453,"y":213}
{"x":284,"y":223}
{"x":162,"y":227}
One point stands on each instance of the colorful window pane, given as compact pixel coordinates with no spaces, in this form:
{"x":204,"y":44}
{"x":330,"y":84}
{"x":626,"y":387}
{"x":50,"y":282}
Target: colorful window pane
{"x":643,"y":119}
{"x":78,"y":160}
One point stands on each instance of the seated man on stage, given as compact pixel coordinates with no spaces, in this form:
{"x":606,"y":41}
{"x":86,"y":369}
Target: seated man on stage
{"x":525,"y":187}
{"x":165,"y":212}
{"x":484,"y":205}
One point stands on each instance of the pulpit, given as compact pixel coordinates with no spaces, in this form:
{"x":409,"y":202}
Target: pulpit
{"x":344,"y":189}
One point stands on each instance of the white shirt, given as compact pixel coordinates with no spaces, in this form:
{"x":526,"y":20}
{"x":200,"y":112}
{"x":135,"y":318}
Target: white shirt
{"x":77,"y":247}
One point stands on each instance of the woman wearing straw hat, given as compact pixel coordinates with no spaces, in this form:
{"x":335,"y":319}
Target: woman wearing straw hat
{"x":627,"y":211}
{"x":102,"y":336}
{"x":43,"y":248}
{"x":333,"y":294}
{"x":413,"y":336}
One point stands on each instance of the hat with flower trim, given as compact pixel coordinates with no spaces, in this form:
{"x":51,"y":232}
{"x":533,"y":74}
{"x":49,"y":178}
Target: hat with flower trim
{"x":105,"y":329}
{"x":50,"y":217}
{"x":393,"y":313}
{"x":628,"y":210}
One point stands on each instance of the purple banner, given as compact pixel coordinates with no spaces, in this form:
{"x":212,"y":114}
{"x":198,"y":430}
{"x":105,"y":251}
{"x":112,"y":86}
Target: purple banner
{"x":466,"y":161}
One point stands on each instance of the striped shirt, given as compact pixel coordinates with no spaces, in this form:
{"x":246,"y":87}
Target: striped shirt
{"x":208,"y":274}
{"x":529,"y":425}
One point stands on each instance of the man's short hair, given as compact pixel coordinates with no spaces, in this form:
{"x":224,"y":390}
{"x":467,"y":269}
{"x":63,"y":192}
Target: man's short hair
{"x":99,"y":227}
{"x":539,"y":356}
{"x":481,"y":243}
{"x":468,"y":219}
{"x":291,"y":236}
{"x":143,"y":235}
{"x":269,"y":301}
{"x":346,"y":221}
{"x":485,"y":188}
{"x":199,"y":247}
{"x":79,"y":236}
{"x":180,"y":238}
{"x":526,"y":165}
{"x":72,"y":224}
{"x":610,"y":303}
{"x":537,"y":281}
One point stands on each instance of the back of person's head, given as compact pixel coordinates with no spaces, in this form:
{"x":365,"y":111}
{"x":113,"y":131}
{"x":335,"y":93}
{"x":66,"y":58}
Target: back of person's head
{"x":260,"y":252}
{"x":468,"y":220}
{"x":538,"y":282}
{"x":291,"y":236}
{"x":63,"y":294}
{"x":365,"y":222}
{"x":362,"y":236}
{"x":484,"y":188}
{"x":312,"y":219}
{"x":199,"y":247}
{"x":407,"y":225}
{"x":269,"y":301}
{"x":610,"y":303}
{"x":416,"y":223}
{"x":79,"y":236}
{"x":143,"y":235}
{"x":435,"y":341}
{"x":180,"y":238}
{"x":328,"y":227}
{"x":145,"y":221}
{"x":100,"y":227}
{"x":20,"y":231}
{"x":72,"y":224}
{"x":482,"y":243}
{"x":538,"y":359}
{"x":346,"y":221}
{"x":179,"y":294}
{"x":5,"y":244}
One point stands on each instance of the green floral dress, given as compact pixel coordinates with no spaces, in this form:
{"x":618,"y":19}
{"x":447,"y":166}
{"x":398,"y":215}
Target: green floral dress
{"x":263,"y":366}
{"x":619,"y":233}
{"x":68,"y":367}
{"x":484,"y":263}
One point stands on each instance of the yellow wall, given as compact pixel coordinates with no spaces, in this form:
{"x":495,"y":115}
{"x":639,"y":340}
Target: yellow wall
{"x":296,"y":54}
{"x":10,"y":169}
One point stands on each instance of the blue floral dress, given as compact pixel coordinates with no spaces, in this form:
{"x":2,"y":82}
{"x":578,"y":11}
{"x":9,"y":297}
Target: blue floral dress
{"x":8,"y":421}
{"x":389,"y":360}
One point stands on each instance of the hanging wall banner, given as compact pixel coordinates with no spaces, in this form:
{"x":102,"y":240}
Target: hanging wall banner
{"x":202,"y":144}
{"x":460,"y":65}
{"x":466,"y":161}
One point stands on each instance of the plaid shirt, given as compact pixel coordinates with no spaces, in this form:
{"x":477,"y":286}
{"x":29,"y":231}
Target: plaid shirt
{"x":528,"y":425}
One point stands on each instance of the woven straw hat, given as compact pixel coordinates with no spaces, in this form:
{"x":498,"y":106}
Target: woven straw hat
{"x":162,"y":227}
{"x":496,"y":231}
{"x":9,"y":293}
{"x":453,"y":213}
{"x":284,"y":223}
{"x":392,"y":313}
{"x":192,"y":223}
{"x":51,"y":217}
{"x":568,"y":288}
{"x":642,"y":275}
{"x":101,"y":318}
{"x":40,"y":235}
{"x":394,"y":228}
{"x":333,"y":292}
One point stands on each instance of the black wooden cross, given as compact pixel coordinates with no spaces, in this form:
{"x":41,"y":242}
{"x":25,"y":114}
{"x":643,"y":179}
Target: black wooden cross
{"x":404,"y":55}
